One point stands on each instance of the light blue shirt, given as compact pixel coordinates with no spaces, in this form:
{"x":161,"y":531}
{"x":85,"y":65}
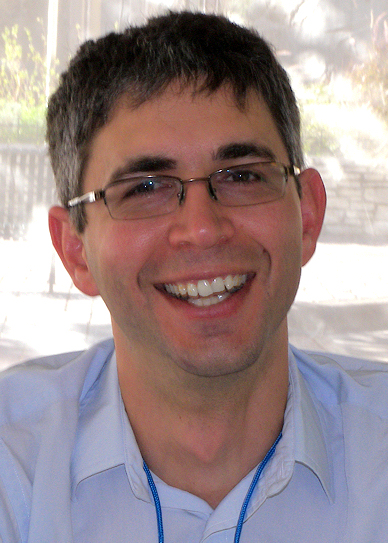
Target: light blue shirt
{"x":71,"y":471}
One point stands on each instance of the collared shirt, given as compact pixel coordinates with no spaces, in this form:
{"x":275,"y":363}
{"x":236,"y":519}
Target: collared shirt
{"x":71,"y":471}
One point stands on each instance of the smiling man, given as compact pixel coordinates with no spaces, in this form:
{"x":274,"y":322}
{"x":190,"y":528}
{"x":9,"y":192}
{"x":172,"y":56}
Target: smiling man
{"x":187,"y":207}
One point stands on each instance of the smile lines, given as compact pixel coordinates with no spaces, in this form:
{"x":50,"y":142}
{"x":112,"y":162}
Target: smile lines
{"x":207,"y":291}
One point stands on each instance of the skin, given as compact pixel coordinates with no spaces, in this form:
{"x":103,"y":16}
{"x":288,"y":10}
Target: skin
{"x":205,"y":388}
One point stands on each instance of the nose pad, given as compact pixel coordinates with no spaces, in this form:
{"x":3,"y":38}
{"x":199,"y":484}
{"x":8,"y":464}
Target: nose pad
{"x":200,"y":221}
{"x":210,"y":189}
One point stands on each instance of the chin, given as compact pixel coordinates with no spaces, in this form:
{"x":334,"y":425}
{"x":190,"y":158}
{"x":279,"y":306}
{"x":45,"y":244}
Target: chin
{"x":217,"y":364}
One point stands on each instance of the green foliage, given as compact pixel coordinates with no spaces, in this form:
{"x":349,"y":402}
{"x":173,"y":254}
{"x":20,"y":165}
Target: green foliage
{"x":371,"y":81}
{"x":318,"y":92}
{"x":22,"y":87}
{"x":21,"y":123}
{"x":319,"y":139}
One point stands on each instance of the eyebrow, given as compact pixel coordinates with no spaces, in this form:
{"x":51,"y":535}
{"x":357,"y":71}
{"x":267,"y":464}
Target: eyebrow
{"x":159,"y":163}
{"x":242,"y":150}
{"x":143,"y":164}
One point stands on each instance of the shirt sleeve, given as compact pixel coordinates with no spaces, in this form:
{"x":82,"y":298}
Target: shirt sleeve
{"x":9,"y":525}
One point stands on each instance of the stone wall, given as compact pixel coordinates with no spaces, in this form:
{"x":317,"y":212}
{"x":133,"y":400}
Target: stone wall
{"x":357,"y":200}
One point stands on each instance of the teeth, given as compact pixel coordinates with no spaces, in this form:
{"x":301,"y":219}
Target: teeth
{"x":205,"y":291}
{"x":218,"y":285}
{"x":211,"y":300}
{"x":237,"y":280}
{"x":204,"y":288}
{"x":229,"y":282}
{"x":182,"y":289}
{"x":192,"y":290}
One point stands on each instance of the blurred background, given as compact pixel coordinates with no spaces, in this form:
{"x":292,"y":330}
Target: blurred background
{"x":336,"y":52}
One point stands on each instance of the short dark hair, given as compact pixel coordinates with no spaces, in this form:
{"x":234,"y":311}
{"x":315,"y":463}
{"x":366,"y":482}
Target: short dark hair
{"x":194,"y":49}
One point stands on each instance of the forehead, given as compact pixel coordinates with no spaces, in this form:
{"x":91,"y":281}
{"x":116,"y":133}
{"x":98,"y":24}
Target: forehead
{"x":189,"y":128}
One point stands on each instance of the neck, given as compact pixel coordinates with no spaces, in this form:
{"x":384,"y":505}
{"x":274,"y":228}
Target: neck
{"x":203,"y":435}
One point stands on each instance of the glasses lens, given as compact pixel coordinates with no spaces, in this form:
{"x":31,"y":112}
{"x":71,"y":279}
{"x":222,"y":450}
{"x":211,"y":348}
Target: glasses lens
{"x":142,"y":197}
{"x":249,"y":184}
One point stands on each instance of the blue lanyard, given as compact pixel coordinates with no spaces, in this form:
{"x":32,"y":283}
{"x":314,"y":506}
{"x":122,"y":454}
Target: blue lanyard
{"x":244,"y":507}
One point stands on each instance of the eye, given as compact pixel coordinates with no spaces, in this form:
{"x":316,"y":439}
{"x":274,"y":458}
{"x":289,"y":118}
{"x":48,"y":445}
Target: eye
{"x":244,"y":176}
{"x":141,"y":191}
{"x":138,"y":188}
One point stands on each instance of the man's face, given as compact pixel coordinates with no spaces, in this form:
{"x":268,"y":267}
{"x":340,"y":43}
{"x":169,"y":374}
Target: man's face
{"x":133,"y":261}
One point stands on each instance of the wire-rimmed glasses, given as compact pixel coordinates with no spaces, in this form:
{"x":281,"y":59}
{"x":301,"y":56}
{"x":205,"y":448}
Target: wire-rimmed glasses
{"x":143,"y":196}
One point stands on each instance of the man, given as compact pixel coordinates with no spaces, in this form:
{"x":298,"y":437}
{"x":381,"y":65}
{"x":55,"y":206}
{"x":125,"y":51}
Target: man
{"x":187,"y":207}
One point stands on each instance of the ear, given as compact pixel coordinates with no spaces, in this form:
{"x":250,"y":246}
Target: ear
{"x":313,"y":205}
{"x":69,"y":246}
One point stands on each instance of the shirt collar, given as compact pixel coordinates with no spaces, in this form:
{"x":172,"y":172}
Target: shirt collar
{"x":98,"y":444}
{"x":303,"y":442}
{"x":105,"y":438}
{"x":311,"y":447}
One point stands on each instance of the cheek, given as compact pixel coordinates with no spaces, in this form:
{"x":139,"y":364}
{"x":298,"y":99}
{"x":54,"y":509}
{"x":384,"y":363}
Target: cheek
{"x":120,"y":252}
{"x":288,"y":237}
{"x":289,"y":248}
{"x":277,"y":228}
{"x":109,"y":257}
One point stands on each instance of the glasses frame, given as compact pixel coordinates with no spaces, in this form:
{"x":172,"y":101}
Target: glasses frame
{"x":100,"y":194}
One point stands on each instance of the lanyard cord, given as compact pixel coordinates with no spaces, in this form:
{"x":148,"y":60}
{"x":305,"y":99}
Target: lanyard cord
{"x":158,"y":508}
{"x":245,"y":504}
{"x":252,"y":487}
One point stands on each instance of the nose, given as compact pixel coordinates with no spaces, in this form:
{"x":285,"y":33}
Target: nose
{"x":200,"y":220}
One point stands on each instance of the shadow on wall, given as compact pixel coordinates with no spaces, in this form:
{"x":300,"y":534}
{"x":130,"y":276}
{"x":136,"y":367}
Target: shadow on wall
{"x":358,"y":330}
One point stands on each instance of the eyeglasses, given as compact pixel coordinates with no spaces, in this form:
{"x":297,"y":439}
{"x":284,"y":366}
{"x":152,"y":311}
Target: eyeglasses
{"x":140,"y":197}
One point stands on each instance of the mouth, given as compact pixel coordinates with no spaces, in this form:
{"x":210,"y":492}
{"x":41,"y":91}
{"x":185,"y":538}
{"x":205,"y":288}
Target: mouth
{"x":206,"y":292}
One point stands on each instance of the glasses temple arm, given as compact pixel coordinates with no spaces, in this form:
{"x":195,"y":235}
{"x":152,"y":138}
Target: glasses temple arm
{"x":87,"y":198}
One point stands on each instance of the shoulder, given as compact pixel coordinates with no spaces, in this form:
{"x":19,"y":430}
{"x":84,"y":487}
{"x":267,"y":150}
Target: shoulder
{"x":39,"y":412}
{"x":345,"y":381}
{"x":351,"y":397}
{"x":28,"y":389}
